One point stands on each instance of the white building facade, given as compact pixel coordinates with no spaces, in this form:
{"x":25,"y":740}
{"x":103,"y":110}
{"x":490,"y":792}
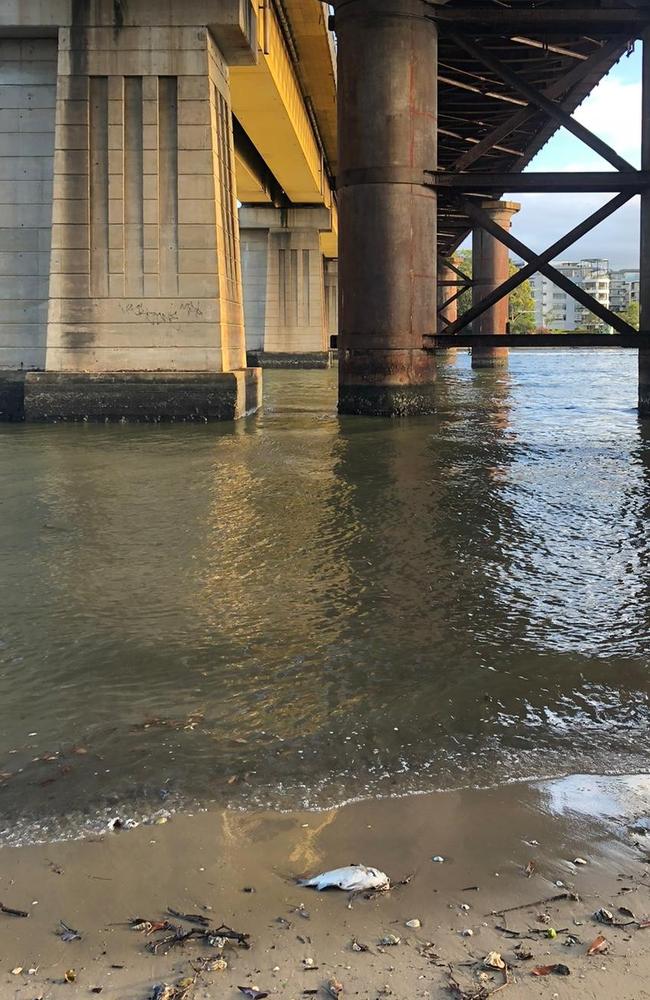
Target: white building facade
{"x":555,"y":309}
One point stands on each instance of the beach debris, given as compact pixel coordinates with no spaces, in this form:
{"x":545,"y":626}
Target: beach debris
{"x":465,"y":907}
{"x":251,"y":993}
{"x":551,"y":970}
{"x":215,"y":937}
{"x":530,"y":869}
{"x":438,"y":859}
{"x":571,"y":941}
{"x":428,"y":951}
{"x":150,"y":926}
{"x":543,"y":918}
{"x":9,"y":910}
{"x":308,"y":963}
{"x":16,"y":972}
{"x":626,"y":912}
{"x":493,"y":960}
{"x":523,"y":953}
{"x":413,"y":924}
{"x":96,"y":989}
{"x":70,"y":976}
{"x":537,"y":902}
{"x":163,"y":991}
{"x":117,"y":823}
{"x":643,"y":923}
{"x":471,"y":888}
{"x":598,"y":946}
{"x":467,"y":932}
{"x":353,"y":878}
{"x":579,"y":861}
{"x":483,"y":991}
{"x":604,"y":916}
{"x":334,"y":987}
{"x":191,"y":918}
{"x":215,"y":965}
{"x":389,"y":940}
{"x":358,"y":946}
{"x":248,"y":888}
{"x":67,"y":933}
{"x":508,"y":931}
{"x":551,"y":933}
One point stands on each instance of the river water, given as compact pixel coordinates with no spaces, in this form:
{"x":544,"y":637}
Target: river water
{"x":304,"y":609}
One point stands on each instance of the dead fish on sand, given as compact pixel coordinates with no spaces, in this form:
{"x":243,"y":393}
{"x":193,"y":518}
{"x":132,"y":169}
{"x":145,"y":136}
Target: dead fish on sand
{"x":354,"y":878}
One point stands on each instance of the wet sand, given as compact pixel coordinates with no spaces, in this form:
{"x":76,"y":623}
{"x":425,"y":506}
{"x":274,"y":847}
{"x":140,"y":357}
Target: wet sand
{"x":204,"y":862}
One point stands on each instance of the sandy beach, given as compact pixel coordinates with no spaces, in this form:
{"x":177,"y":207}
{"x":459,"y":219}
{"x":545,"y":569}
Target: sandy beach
{"x":239,"y":868}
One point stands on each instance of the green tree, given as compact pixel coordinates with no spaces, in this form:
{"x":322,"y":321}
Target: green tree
{"x":631,"y":314}
{"x":464,"y":257}
{"x":521,"y":307}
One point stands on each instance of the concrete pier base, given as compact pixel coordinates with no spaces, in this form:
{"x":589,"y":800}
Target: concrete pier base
{"x":307,"y":359}
{"x":50,"y":397}
{"x":490,"y":266}
{"x":398,"y":383}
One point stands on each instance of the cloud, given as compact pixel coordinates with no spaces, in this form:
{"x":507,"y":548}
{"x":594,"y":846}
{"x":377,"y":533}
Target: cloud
{"x":613,"y":111}
{"x":544,"y":218}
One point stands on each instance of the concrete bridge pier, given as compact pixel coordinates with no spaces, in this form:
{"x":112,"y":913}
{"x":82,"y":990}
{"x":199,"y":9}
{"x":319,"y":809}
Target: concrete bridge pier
{"x":490,"y":268}
{"x":331,"y":298}
{"x":284,"y":286}
{"x":387,"y":108}
{"x":140,"y":316}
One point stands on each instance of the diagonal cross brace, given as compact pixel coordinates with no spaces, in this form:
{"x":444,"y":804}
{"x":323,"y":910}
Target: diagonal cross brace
{"x":481,"y":218}
{"x":598,"y":59}
{"x":509,"y":285}
{"x":536,"y":97}
{"x":452,"y":298}
{"x":461,"y":274}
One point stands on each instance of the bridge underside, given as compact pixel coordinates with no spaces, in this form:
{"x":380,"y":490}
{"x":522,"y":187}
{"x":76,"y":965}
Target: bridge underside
{"x":422,"y":166}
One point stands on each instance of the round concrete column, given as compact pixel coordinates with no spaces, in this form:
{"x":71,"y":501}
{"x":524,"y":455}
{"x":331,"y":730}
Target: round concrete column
{"x":387,"y":130}
{"x":490,"y":268}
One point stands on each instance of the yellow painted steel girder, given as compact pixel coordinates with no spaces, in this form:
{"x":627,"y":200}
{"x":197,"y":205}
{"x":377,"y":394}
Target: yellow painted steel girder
{"x":268,"y":101}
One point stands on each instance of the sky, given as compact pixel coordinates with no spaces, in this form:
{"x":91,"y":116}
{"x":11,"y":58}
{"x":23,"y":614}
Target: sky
{"x":612,"y":111}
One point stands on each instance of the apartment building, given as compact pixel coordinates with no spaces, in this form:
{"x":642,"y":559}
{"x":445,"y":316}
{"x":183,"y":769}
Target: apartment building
{"x":556,"y":310}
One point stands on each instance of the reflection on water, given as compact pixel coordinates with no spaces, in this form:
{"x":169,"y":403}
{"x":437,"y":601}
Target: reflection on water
{"x":302,"y":608}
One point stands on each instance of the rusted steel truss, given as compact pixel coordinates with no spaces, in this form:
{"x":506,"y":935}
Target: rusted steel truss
{"x":590,"y":38}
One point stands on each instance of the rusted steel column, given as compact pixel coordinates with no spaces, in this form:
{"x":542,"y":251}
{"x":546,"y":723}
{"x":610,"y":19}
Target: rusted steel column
{"x":450,"y":313}
{"x":387,"y":130}
{"x":445,"y":290}
{"x":644,"y":276}
{"x":490,"y":267}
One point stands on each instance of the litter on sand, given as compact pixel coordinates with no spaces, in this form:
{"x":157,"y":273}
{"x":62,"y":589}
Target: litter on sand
{"x":354,"y":878}
{"x":67,"y":933}
{"x":598,"y":946}
{"x":552,"y":970}
{"x":9,"y":910}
